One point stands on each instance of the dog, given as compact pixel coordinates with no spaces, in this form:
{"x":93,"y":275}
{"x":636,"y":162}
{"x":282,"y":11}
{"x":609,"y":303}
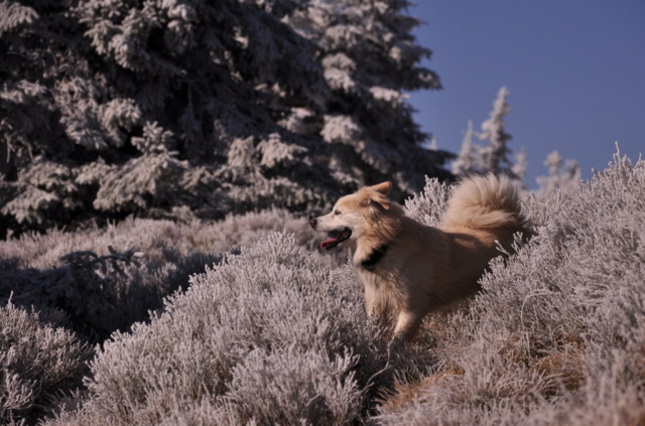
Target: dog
{"x":409,"y":269}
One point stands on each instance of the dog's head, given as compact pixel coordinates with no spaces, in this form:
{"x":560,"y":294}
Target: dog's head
{"x":352,"y":215}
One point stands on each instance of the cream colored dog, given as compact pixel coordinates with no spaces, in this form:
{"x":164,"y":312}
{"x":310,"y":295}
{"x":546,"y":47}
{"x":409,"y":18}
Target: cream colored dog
{"x":409,"y":269}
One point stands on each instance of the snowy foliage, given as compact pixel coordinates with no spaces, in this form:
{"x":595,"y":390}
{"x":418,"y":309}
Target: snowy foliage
{"x":556,"y":335}
{"x":49,"y":193}
{"x":495,"y":156}
{"x":562,"y":176}
{"x":467,"y":160}
{"x":521,"y":164}
{"x":269,"y":330}
{"x":39,"y":359}
{"x":268,"y":336}
{"x":135,"y":100}
{"x":428,"y":205}
{"x":105,"y":280}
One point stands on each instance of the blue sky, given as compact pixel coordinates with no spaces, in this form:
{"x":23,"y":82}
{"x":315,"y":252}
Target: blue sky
{"x":575,"y":70}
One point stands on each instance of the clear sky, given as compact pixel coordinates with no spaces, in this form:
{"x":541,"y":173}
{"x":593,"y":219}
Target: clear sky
{"x":575,"y":70}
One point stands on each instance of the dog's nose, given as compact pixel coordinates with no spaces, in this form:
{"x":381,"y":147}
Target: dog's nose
{"x":312,"y":222}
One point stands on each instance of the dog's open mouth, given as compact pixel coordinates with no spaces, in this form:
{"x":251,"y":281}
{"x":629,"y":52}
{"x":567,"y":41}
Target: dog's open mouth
{"x":336,"y":237}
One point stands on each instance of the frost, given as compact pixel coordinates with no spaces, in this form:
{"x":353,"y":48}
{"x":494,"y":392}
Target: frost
{"x":155,"y":140}
{"x":562,"y":176}
{"x":340,"y":80}
{"x":495,"y":156}
{"x":393,"y":97}
{"x":341,"y":128}
{"x":275,"y":152}
{"x":38,"y":359}
{"x":467,"y":161}
{"x":151,"y":94}
{"x":244,"y":320}
{"x":13,"y":15}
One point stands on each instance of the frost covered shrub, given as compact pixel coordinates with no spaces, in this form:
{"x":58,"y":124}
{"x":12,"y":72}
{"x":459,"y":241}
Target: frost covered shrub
{"x":39,"y":361}
{"x":428,"y":205}
{"x":271,"y":334}
{"x":99,"y":293}
{"x":268,"y":336}
{"x":102,"y":280}
{"x":556,"y":335}
{"x":107,"y":279}
{"x":157,"y":240}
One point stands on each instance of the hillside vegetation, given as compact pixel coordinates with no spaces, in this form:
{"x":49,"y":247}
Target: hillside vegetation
{"x":248,"y":322}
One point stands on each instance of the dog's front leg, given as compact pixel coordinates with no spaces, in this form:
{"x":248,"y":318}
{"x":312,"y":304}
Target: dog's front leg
{"x":407,"y":323}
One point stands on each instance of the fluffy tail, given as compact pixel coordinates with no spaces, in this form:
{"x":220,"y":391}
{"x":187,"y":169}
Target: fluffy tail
{"x":484,"y":202}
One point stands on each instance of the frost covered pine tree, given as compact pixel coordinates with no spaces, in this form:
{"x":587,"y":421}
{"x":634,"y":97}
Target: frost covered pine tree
{"x":369,"y":58}
{"x":468,"y":160}
{"x":561,"y":176}
{"x":521,"y":164}
{"x":189,"y":107}
{"x":495,"y":155}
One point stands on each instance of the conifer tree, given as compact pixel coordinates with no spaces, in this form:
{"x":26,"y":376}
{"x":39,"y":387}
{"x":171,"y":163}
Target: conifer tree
{"x":496,"y":155}
{"x":561,"y":176}
{"x":521,"y":164}
{"x":469,"y":158}
{"x":154,"y":107}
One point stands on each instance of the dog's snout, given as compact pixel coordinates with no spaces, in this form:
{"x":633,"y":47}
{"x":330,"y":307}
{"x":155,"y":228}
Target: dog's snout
{"x":313,"y":221}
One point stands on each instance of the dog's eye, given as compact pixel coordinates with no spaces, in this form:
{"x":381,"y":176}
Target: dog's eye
{"x":336,"y":212}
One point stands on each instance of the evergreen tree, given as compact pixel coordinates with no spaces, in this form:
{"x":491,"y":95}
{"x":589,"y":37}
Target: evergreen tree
{"x":495,"y":155}
{"x":561,"y":176}
{"x":157,"y":107}
{"x":521,"y":164}
{"x":469,"y":158}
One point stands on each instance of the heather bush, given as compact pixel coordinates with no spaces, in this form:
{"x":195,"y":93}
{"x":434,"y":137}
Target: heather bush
{"x":102,"y":280}
{"x":269,"y":336}
{"x":556,"y":335}
{"x":158,"y":241}
{"x":39,"y":361}
{"x":99,"y":293}
{"x":428,"y":205}
{"x":275,"y":332}
{"x":107,"y":279}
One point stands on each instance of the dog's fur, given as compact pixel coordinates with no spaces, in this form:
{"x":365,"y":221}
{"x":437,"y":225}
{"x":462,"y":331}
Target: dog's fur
{"x":409,"y":269}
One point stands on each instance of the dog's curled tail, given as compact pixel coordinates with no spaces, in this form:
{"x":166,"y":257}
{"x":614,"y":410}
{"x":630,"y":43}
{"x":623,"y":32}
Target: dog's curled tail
{"x":484,"y":202}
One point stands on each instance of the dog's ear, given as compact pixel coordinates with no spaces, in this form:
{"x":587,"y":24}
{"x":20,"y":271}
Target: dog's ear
{"x":383,"y":188}
{"x":378,"y":194}
{"x":380,"y":200}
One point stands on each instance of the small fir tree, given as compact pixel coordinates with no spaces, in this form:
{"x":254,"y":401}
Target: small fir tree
{"x":521,"y":164}
{"x":468,"y":159}
{"x":561,"y":176}
{"x":496,"y":155}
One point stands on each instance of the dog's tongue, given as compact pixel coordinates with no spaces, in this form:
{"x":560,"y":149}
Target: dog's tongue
{"x":329,"y":243}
